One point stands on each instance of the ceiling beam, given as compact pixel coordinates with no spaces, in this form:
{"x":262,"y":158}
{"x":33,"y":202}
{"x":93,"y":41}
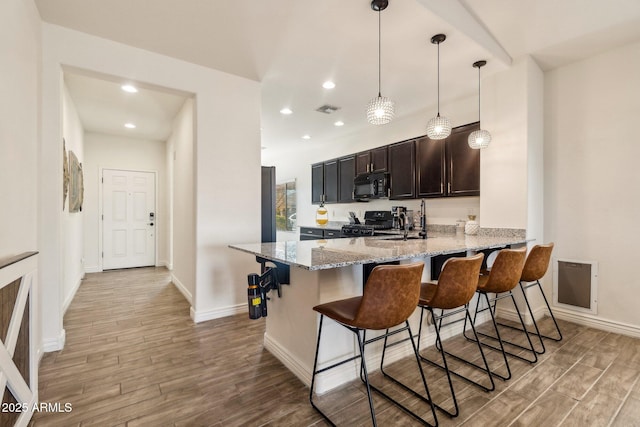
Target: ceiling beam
{"x":462,"y":19}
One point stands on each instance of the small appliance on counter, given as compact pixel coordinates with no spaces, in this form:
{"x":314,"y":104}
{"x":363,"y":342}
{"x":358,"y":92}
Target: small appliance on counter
{"x":399,"y":215}
{"x":373,"y":220}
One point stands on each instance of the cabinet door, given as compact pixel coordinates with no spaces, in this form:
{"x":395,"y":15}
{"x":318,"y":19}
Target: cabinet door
{"x":317,"y":183}
{"x":402,"y":167}
{"x":378,"y":159}
{"x":346,"y":173}
{"x":463,"y":162}
{"x":430,"y":167}
{"x":331,"y":181}
{"x":363,"y":162}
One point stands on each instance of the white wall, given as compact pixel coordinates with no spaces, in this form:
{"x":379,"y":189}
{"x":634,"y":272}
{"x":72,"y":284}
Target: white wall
{"x":117,"y":152}
{"x":19,"y":127}
{"x":20,"y":62}
{"x":591,"y":170}
{"x":72,"y":240}
{"x":227,"y":170}
{"x":180,"y":152}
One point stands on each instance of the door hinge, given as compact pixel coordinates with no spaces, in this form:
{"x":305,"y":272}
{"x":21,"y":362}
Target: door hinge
{"x":102,"y":180}
{"x":102,"y":254}
{"x":102,"y":217}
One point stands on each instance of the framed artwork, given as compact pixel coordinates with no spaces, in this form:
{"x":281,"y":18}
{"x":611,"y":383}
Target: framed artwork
{"x":76,"y":185}
{"x":65,"y":174}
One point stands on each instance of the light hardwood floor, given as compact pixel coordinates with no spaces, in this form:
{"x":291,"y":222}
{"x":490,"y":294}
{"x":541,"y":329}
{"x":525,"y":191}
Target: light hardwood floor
{"x":133,"y":357}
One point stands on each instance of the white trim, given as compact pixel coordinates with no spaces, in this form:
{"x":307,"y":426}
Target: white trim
{"x":296,"y":366}
{"x":93,"y":269}
{"x":183,"y":290}
{"x":165,"y":264}
{"x":216,"y":313}
{"x":54,"y":344}
{"x":597,"y":322}
{"x":510,"y":314}
{"x":70,"y":297}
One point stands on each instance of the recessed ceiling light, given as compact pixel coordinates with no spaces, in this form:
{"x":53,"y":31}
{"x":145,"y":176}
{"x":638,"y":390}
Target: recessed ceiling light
{"x":328,"y":84}
{"x":286,"y":111}
{"x":339,"y":123}
{"x":129,"y":125}
{"x":306,"y":136}
{"x":129,"y":88}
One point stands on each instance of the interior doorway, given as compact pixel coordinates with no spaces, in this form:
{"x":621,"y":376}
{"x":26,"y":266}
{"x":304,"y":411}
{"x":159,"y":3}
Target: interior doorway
{"x":128,"y":219}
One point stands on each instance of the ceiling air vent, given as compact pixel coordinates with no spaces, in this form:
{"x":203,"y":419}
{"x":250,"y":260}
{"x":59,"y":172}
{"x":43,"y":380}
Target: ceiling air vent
{"x":327,"y":109}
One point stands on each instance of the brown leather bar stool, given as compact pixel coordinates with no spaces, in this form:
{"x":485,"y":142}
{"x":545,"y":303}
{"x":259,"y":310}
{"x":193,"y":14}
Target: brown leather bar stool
{"x":501,"y":280}
{"x":456,"y":286}
{"x":390,"y":296}
{"x":535,"y":267}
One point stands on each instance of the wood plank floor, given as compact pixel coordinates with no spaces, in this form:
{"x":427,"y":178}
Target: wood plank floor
{"x":133,"y":357}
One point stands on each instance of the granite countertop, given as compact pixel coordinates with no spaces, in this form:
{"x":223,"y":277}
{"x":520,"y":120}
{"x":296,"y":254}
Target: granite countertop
{"x":327,"y":254}
{"x":331,"y":225}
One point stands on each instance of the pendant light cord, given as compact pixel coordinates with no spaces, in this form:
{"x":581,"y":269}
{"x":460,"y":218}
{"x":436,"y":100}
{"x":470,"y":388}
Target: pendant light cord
{"x":379,"y":55}
{"x":479,"y":95}
{"x":438,"y":79}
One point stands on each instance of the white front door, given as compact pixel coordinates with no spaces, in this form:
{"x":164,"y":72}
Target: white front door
{"x":129,"y":219}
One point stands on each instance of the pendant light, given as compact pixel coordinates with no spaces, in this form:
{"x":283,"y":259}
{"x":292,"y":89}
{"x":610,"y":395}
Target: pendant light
{"x":479,"y":138}
{"x":438,"y":127}
{"x":380,"y":109}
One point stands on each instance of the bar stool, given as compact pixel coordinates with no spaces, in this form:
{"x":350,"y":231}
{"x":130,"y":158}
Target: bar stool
{"x":535,"y":267}
{"x":390,"y":296}
{"x":451,"y":295}
{"x":501,"y":280}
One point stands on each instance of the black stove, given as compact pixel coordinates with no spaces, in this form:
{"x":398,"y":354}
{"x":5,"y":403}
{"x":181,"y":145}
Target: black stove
{"x":373,"y":220}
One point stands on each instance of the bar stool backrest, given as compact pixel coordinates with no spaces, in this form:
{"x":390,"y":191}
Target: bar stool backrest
{"x":537,"y":263}
{"x":506,"y":270}
{"x":390,"y":296}
{"x":457,"y":282}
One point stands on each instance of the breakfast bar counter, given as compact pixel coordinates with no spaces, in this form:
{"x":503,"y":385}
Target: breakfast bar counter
{"x":328,"y":270}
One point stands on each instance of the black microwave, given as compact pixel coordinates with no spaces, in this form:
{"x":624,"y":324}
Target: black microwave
{"x":371,"y":185}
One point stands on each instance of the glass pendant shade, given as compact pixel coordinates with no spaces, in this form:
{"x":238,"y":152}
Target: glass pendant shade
{"x":439,"y":127}
{"x":479,"y":139}
{"x":380,"y":110}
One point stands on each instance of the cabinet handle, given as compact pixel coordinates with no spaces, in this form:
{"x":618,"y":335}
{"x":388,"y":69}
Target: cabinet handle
{"x":449,"y":188}
{"x":368,"y":168}
{"x":353,"y":195}
{"x":389,"y":192}
{"x":441,"y":188}
{"x":372,"y":167}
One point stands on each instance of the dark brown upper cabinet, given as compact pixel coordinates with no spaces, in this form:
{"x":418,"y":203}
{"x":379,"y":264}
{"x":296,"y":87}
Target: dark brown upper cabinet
{"x":430,"y":167}
{"x":463,"y":163}
{"x":448,"y":167}
{"x":324,"y":182}
{"x":346,"y":173}
{"x":374,"y":160}
{"x":402,"y":169}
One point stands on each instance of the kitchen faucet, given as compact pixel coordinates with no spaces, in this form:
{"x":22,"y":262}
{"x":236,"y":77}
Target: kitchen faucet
{"x":423,"y":220}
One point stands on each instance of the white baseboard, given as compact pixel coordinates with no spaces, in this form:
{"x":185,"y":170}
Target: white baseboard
{"x":166,"y":264}
{"x":69,"y":298}
{"x":597,"y":322}
{"x":93,"y":269}
{"x":216,"y":313}
{"x":54,"y":344}
{"x":580,"y":318}
{"x":183,"y":290}
{"x":302,"y":371}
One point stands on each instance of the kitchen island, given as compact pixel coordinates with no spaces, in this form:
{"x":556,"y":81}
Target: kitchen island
{"x":328,"y":270}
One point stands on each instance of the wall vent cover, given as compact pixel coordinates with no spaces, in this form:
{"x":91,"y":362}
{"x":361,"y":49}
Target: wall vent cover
{"x":575,"y":285}
{"x":327,"y":109}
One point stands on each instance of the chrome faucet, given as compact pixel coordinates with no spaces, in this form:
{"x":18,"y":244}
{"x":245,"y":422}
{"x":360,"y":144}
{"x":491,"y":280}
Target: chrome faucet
{"x":423,"y":220}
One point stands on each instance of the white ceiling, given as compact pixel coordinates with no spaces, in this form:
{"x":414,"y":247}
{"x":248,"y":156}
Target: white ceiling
{"x":291,"y":47}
